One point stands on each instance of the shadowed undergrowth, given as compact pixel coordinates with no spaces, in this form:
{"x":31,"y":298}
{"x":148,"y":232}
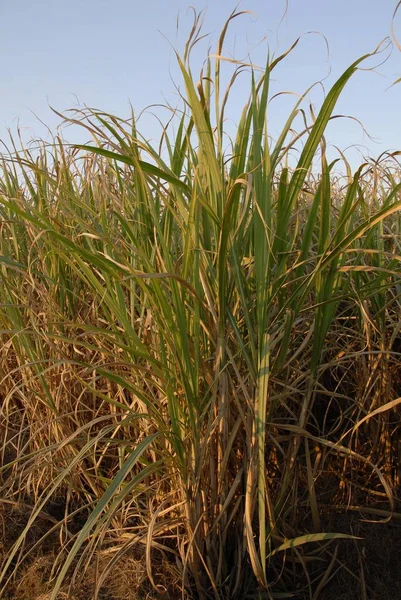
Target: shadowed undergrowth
{"x":200,"y":351}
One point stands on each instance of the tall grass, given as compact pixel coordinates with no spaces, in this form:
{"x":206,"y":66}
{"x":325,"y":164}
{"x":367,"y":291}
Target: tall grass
{"x":199,"y":344}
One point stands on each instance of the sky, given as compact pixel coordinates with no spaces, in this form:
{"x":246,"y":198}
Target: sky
{"x":107,"y":54}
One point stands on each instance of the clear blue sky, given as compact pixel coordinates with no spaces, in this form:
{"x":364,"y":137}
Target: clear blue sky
{"x":106,"y":53}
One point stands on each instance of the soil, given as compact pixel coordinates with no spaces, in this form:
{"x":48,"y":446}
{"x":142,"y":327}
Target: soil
{"x":367,"y":569}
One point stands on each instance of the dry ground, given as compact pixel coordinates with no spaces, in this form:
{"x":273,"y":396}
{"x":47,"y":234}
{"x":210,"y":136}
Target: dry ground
{"x":365,"y":570}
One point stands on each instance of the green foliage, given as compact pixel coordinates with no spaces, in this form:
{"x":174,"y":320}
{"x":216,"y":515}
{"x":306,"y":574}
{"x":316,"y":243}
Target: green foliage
{"x":189,"y":337}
